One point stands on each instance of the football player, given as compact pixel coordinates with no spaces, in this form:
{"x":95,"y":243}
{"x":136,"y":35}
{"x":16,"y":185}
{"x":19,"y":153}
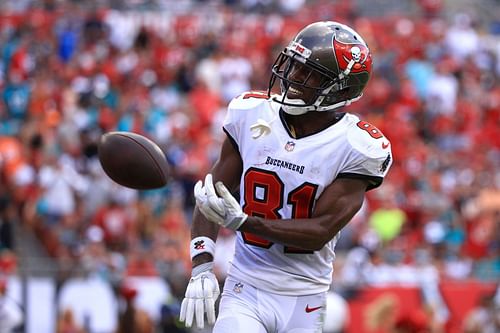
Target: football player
{"x":300,"y":168}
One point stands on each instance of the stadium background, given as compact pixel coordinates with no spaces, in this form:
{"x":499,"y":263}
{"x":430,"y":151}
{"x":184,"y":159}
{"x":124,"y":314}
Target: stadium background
{"x":74,"y":246}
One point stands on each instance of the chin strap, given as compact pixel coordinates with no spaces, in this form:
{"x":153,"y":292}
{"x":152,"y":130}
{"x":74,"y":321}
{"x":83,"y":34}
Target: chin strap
{"x":298,"y":110}
{"x":320,"y":99}
{"x":340,"y":104}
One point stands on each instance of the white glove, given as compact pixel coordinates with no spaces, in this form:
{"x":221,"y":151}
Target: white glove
{"x":201,"y":294}
{"x":224,"y":209}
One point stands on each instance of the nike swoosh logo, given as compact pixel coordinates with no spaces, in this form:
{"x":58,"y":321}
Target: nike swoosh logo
{"x":385,"y":145}
{"x":308,"y":309}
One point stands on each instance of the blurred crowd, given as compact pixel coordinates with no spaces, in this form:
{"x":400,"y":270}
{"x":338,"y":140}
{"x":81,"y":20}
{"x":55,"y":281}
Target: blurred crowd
{"x":69,"y":74}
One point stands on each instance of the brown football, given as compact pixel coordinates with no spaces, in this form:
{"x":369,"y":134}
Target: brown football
{"x":133,"y":160}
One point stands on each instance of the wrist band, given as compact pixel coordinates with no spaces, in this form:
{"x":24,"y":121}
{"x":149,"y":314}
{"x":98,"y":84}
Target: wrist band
{"x":200,"y":245}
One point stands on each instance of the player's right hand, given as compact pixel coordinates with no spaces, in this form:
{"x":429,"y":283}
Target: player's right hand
{"x":201,"y":294}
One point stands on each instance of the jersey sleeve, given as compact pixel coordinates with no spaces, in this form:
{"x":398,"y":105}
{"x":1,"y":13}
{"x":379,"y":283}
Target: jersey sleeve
{"x":370,"y":158}
{"x":235,"y":121}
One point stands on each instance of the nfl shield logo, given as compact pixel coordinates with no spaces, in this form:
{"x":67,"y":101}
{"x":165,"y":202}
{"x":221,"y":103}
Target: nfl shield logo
{"x":237,"y":287}
{"x":289,"y":146}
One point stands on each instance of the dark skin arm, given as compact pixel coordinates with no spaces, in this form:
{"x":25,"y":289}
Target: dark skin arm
{"x":227,"y":169}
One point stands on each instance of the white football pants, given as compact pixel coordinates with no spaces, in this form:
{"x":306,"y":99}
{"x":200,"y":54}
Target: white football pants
{"x":245,"y":309}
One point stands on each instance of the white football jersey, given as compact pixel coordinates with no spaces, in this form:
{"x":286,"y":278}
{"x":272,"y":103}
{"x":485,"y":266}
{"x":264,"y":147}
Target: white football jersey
{"x":283,"y":177}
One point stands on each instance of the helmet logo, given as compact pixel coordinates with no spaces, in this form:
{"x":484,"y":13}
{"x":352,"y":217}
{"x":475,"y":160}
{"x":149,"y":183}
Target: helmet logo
{"x":356,"y":53}
{"x":344,"y":52}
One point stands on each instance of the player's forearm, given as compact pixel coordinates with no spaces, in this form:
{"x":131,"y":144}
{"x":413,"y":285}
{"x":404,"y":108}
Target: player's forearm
{"x":308,"y":234}
{"x":201,"y":227}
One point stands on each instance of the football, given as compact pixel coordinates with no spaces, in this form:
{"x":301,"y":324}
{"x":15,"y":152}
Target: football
{"x":133,"y":160}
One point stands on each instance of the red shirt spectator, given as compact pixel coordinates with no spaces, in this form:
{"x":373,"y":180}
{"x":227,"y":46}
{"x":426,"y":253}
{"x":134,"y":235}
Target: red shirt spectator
{"x":114,"y":220}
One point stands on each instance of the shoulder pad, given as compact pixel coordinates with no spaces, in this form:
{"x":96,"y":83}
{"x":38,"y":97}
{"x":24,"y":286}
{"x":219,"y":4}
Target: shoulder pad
{"x":248,"y":100}
{"x":368,"y":140}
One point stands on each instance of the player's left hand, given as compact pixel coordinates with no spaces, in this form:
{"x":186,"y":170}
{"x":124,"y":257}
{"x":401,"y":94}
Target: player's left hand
{"x":219,"y":207}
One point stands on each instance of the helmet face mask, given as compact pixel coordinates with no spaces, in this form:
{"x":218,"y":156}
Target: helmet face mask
{"x":298,"y":81}
{"x":326,"y":66}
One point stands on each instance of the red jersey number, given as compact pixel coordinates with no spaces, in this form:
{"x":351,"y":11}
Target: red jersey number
{"x":264,"y":196}
{"x":370,"y":129}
